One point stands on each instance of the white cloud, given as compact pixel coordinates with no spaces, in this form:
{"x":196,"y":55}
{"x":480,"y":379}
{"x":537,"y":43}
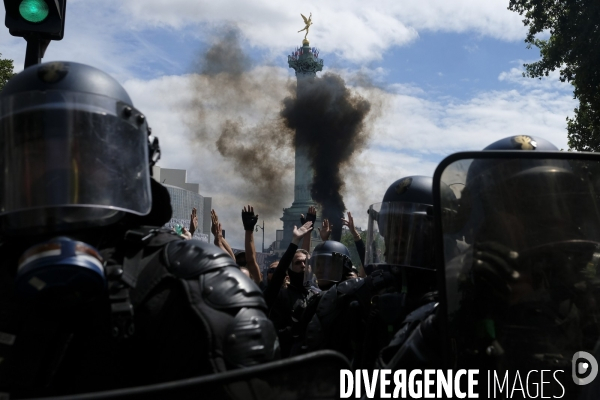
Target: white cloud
{"x":111,"y":35}
{"x":551,"y":82}
{"x":472,"y":48}
{"x":349,"y":28}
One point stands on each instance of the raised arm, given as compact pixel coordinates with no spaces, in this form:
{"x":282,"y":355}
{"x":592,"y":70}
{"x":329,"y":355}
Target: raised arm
{"x":325,"y":230}
{"x":358,"y":242}
{"x":217,"y":232}
{"x":249,"y":220}
{"x":311,"y":216}
{"x":279,"y":275}
{"x":193,"y":221}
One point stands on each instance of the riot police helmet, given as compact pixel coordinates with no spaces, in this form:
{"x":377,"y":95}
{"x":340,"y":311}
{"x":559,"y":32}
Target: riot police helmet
{"x":329,"y":264}
{"x":522,"y":142}
{"x":400,"y":228}
{"x":74,"y":150}
{"x":483,"y":174}
{"x":522,"y":295}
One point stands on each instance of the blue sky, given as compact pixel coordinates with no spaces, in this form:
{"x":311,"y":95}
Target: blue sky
{"x":446,"y":77}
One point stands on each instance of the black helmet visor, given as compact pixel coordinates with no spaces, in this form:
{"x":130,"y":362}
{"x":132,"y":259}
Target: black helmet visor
{"x":400,"y":233}
{"x":327,"y":268}
{"x":70,"y":157}
{"x":524,"y":291}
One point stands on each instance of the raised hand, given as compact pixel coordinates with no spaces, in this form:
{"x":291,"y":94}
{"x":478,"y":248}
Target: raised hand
{"x":215,"y":227}
{"x":193,"y":221}
{"x":248,"y":218}
{"x":350,"y":224}
{"x":325,"y":231}
{"x":300,"y":232}
{"x":311,"y":215}
{"x":185,"y":233}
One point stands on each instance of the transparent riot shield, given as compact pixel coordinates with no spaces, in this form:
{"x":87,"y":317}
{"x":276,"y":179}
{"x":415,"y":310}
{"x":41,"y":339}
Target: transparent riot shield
{"x":400,"y":234}
{"x":523,"y":292}
{"x":314,"y":376}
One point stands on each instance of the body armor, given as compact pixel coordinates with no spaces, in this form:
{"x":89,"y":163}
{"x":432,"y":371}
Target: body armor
{"x":177,"y":309}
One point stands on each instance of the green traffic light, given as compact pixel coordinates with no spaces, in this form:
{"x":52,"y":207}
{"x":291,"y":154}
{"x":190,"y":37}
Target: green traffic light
{"x":34,"y":10}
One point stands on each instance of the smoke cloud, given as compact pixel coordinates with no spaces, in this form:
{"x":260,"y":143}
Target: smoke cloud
{"x":255,"y":116}
{"x":235,"y":110}
{"x":329,"y":121}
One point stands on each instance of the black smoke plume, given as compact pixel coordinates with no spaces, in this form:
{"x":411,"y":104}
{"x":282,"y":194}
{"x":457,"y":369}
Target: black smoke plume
{"x":236,"y":111}
{"x":328,"y":120}
{"x":241,"y":110}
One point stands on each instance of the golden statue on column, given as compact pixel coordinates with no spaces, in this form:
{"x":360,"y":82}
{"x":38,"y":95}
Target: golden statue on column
{"x":308,"y":22}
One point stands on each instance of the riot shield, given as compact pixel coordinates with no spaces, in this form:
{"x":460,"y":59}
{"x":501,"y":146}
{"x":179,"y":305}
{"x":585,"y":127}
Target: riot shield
{"x":311,"y":376}
{"x":523,"y":294}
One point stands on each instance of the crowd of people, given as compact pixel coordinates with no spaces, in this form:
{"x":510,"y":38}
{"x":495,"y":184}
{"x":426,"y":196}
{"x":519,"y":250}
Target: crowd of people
{"x":294,"y":281}
{"x":499,"y":266}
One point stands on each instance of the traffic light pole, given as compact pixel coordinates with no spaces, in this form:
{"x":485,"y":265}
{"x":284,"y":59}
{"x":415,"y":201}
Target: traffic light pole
{"x":263,"y":229}
{"x":36,"y":48}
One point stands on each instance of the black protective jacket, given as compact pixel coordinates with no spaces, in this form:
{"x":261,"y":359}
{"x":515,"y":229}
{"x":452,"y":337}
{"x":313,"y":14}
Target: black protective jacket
{"x":287,"y":305}
{"x":174,"y":309}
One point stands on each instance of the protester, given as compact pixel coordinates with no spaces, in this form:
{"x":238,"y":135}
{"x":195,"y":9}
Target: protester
{"x":311,"y":216}
{"x":217,"y":231}
{"x":286,"y":302}
{"x":249,"y":256}
{"x":358,"y":242}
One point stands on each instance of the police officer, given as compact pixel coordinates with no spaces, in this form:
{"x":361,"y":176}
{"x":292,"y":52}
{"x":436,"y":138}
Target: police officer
{"x":362,"y":314}
{"x":329,"y":264}
{"x":93,"y":294}
{"x":417,"y":343}
{"x":523,"y":293}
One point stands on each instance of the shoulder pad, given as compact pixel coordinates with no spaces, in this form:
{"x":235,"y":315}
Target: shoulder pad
{"x":313,"y":291}
{"x":250,"y":339}
{"x":229,"y":288}
{"x":350,"y":285}
{"x":151,"y":235}
{"x":328,"y":301}
{"x":411,"y":321}
{"x":421,"y":313}
{"x":314,"y":334}
{"x":190,"y":258}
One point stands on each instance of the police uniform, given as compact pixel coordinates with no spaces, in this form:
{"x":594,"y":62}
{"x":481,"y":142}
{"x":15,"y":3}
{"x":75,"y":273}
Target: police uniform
{"x":95,"y":295}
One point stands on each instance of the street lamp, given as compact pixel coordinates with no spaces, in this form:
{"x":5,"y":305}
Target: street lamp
{"x":263,"y":229}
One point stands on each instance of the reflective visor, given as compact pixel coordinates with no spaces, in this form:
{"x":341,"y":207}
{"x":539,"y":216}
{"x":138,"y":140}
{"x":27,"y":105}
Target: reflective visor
{"x":327,"y":268}
{"x":69,"y":157}
{"x":400,"y":234}
{"x":524,"y":291}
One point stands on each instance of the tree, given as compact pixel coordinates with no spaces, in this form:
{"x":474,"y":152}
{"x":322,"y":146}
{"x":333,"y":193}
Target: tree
{"x":574,"y":48}
{"x":348,"y":240}
{"x":6,"y":71}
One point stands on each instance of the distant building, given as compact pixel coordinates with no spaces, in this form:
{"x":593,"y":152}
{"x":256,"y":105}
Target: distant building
{"x":184,"y":197}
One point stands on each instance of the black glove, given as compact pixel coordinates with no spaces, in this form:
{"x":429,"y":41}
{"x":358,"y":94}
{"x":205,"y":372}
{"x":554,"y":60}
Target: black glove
{"x":494,"y":269}
{"x":249,"y":220}
{"x":309,"y":218}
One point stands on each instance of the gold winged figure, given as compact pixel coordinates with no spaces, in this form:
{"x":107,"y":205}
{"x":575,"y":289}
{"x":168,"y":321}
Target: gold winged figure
{"x":308,"y":23}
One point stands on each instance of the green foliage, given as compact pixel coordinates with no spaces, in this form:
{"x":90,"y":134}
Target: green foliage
{"x":584,"y":129}
{"x":574,"y":49}
{"x":6,"y":71}
{"x":348,"y":241}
